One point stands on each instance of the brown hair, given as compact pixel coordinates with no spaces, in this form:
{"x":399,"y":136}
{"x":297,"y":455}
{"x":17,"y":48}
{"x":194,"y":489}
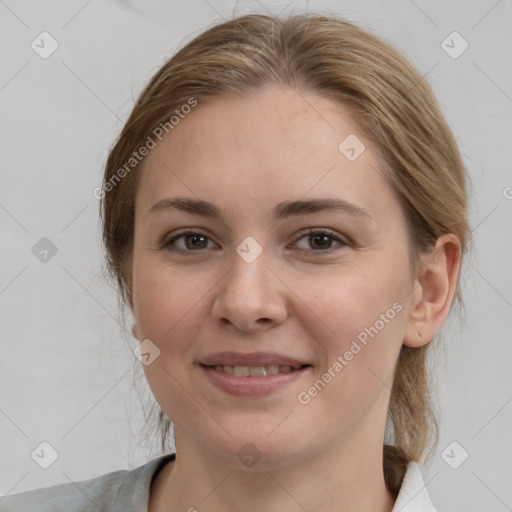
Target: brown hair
{"x":394,"y":107}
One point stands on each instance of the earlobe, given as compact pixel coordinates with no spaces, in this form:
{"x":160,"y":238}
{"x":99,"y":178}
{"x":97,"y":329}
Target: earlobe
{"x":135,"y":331}
{"x":434,"y":290}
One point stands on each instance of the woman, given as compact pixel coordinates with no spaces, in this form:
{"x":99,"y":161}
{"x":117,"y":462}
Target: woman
{"x":285,"y":215}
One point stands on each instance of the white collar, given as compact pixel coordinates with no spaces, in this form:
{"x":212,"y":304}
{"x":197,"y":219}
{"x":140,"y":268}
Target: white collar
{"x":413,"y":495}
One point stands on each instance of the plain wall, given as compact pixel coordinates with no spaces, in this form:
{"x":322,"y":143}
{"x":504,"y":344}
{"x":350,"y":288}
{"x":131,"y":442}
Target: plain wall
{"x":68,"y":376}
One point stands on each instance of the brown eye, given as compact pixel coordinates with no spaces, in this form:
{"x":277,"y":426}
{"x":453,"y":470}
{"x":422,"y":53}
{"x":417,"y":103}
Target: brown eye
{"x":196,"y":241}
{"x":193,"y":241}
{"x":321,"y":241}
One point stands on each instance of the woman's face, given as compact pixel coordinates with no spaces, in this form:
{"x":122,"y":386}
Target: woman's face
{"x":251,"y":281}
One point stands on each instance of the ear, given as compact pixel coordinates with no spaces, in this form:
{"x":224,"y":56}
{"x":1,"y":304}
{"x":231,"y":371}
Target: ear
{"x":135,"y":331}
{"x":433,"y":292}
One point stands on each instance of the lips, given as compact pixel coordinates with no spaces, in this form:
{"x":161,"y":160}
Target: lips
{"x":253,"y":374}
{"x":253,"y":385}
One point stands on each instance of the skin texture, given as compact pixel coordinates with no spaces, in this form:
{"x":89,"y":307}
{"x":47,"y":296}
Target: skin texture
{"x":303,"y":297}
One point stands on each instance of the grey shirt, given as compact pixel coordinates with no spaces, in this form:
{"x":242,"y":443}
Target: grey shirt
{"x":128,"y":491}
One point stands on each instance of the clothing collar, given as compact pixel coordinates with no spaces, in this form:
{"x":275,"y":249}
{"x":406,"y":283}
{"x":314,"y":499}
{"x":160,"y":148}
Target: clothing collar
{"x":413,"y":495}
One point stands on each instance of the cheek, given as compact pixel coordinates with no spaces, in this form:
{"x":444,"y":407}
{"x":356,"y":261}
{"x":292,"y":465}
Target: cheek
{"x":170,"y":308}
{"x":162,"y":296}
{"x":358,"y":327}
{"x":348,"y":303}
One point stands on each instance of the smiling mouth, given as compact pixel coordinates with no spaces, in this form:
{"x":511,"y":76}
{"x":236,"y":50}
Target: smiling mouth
{"x":255,"y":371}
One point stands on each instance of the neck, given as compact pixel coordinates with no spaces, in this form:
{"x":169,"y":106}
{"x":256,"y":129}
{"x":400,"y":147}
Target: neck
{"x":349,"y":478}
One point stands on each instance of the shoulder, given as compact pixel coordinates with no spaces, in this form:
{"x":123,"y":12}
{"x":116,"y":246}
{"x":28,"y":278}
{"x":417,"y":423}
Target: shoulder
{"x":93,"y":494}
{"x":112,"y":492}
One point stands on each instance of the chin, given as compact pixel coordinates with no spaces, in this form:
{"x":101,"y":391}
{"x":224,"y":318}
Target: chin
{"x":258,"y":452}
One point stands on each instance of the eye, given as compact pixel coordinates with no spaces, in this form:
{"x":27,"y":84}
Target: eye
{"x":322,"y":239}
{"x":193,"y":241}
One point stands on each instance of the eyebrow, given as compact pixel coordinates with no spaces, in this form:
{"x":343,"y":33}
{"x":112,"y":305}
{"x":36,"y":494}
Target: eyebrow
{"x":282,"y":210}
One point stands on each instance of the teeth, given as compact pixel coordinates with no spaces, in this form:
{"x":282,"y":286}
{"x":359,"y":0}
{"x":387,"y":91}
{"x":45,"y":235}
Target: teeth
{"x":240,"y":371}
{"x":254,"y":371}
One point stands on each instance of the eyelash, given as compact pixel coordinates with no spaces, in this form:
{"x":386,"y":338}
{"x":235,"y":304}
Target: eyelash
{"x":326,"y":232}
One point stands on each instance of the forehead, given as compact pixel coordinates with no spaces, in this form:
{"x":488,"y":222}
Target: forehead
{"x":270,"y":145}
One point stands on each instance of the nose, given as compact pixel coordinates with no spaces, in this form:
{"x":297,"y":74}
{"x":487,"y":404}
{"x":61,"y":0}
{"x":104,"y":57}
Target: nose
{"x":250,"y":297}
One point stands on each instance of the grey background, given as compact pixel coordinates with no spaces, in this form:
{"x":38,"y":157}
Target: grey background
{"x":68,"y":377}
